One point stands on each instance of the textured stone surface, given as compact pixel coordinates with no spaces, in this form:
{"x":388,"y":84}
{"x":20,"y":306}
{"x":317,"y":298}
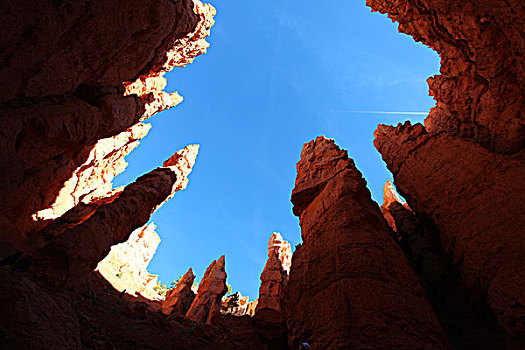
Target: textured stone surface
{"x":125,"y":267}
{"x":390,"y":196}
{"x":474,"y":197}
{"x":480,"y":92}
{"x":274,"y":277}
{"x":71,"y":112}
{"x":180,"y":298}
{"x":211,"y":290}
{"x":350,"y":285}
{"x":467,"y":321}
{"x":59,"y":260}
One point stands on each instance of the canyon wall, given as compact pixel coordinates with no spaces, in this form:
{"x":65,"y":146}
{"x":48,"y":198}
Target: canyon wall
{"x":350,"y":285}
{"x":463,"y":170}
{"x":75,"y":88}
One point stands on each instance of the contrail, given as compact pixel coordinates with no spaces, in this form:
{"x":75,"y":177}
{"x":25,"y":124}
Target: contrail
{"x":382,"y":112}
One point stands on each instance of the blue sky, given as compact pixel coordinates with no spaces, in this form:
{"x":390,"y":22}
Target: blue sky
{"x":277,"y":74}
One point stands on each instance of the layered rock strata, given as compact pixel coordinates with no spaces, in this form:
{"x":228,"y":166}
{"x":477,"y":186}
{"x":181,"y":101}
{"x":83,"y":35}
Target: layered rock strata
{"x":180,"y":298}
{"x":350,"y":285}
{"x":274,"y":277}
{"x":211,"y":290}
{"x":474,"y":197}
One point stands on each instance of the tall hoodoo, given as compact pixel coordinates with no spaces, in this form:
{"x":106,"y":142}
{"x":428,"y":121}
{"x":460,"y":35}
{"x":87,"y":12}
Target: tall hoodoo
{"x":274,"y":277}
{"x":350,"y":285}
{"x":211,"y":289}
{"x":105,"y":224}
{"x":179,"y":299}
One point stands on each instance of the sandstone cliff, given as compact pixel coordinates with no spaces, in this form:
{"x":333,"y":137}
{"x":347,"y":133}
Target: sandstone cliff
{"x":211,"y":289}
{"x":350,"y":285}
{"x":73,"y":97}
{"x":473,"y":195}
{"x":180,"y":298}
{"x":125,"y":267}
{"x":274,"y":277}
{"x":480,"y":92}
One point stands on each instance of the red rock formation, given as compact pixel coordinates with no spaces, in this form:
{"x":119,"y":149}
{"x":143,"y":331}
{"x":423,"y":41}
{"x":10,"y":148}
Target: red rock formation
{"x":350,"y":285}
{"x":274,"y":277}
{"x":180,"y":298}
{"x":211,"y":289}
{"x":250,"y":308}
{"x":70,"y":111}
{"x":474,"y":197}
{"x":390,"y":196}
{"x":125,"y":267}
{"x":480,"y":92}
{"x":60,"y":261}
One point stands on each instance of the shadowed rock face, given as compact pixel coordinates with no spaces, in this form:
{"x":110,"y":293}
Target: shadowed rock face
{"x":211,"y":289}
{"x":467,"y":321}
{"x":125,"y":267}
{"x":474,"y":197}
{"x":350,"y":285}
{"x":480,"y":92}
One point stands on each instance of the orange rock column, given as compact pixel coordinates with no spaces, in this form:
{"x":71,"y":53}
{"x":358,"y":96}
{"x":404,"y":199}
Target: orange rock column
{"x":350,"y":285}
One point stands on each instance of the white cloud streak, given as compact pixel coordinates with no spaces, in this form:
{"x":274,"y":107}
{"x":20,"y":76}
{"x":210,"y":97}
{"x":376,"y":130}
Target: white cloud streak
{"x":381,"y":112}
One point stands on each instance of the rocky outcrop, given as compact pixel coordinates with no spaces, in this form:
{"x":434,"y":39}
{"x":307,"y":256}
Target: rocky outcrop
{"x":350,"y":285}
{"x":211,"y":290}
{"x":57,"y":259}
{"x":390,"y":196}
{"x":274,"y":277}
{"x":73,"y":98}
{"x":125,"y":267}
{"x":467,"y":321}
{"x":251,"y":307}
{"x":180,"y":298}
{"x":474,"y":197}
{"x":480,"y":92}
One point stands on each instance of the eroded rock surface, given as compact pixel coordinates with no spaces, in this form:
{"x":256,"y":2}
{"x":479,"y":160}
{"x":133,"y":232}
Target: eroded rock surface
{"x":480,"y":92}
{"x":350,"y":285}
{"x":211,"y":290}
{"x":474,"y":197}
{"x":73,"y":97}
{"x":274,"y":277}
{"x":125,"y":267}
{"x":180,"y":298}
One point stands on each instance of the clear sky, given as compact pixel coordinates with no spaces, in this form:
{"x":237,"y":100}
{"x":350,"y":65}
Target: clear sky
{"x":277,"y":74}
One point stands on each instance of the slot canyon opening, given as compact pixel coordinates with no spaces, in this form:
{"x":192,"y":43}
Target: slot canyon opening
{"x":294,"y":71}
{"x":441,"y":270}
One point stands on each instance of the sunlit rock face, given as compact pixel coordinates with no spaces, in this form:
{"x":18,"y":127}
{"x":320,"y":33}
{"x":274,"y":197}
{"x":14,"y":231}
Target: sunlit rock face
{"x":179,"y":299}
{"x":350,"y":285}
{"x":235,"y":304}
{"x":480,"y":92}
{"x":76,"y":97}
{"x":390,"y":196}
{"x":274,"y":277}
{"x":125,"y":267}
{"x":211,"y":290}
